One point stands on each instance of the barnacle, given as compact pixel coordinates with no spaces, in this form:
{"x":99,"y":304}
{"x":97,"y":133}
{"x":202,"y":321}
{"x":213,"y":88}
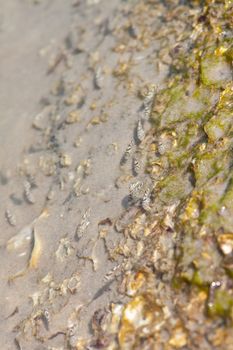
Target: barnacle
{"x":64,"y":249}
{"x":65,"y":160}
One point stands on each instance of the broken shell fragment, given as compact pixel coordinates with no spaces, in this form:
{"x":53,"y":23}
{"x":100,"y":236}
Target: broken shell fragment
{"x":22,"y":237}
{"x":179,"y":338}
{"x":36,"y":250}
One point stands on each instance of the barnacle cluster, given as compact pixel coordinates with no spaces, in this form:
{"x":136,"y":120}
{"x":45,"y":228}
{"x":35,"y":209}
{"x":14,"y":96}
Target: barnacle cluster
{"x":178,"y":277}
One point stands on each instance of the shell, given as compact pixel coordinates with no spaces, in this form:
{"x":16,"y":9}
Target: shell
{"x":140,"y":131}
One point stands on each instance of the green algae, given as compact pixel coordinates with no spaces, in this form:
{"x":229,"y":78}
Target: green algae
{"x":184,"y":102}
{"x":208,"y":165}
{"x":200,"y":115}
{"x":215,"y":71}
{"x":222,"y":304}
{"x":173,"y":188}
{"x":218,"y":126}
{"x":227,"y":198}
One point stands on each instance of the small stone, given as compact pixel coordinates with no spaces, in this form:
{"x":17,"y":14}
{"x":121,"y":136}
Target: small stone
{"x":179,"y":338}
{"x":73,"y":117}
{"x":225,"y":242}
{"x":65,"y":160}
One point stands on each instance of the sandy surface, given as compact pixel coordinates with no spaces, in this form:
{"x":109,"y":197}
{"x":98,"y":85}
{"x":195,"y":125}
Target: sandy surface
{"x":61,"y":164}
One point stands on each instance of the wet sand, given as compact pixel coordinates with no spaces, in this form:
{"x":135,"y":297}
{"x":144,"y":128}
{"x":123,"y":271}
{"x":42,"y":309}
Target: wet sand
{"x":60,"y":59}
